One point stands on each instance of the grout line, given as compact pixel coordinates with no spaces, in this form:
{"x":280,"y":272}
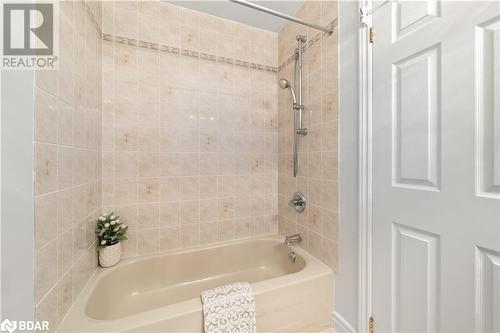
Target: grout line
{"x":91,"y":16}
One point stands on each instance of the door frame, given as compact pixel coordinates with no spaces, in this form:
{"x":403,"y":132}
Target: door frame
{"x":365,"y":230}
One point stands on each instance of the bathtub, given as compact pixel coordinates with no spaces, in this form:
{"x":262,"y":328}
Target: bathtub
{"x":160,"y":293}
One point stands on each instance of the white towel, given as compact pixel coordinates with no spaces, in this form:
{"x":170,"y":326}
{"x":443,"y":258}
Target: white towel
{"x":230,"y":308}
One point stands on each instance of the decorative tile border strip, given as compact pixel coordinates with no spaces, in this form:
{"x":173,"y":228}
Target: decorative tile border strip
{"x":307,"y":45}
{"x":126,"y":41}
{"x":209,"y":57}
{"x":169,"y":49}
{"x":148,"y":45}
{"x":187,"y":53}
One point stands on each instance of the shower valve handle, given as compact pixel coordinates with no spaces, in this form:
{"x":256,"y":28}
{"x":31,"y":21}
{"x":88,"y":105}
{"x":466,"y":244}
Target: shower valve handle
{"x":298,"y":202}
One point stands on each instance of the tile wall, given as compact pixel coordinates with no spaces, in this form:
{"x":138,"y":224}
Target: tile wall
{"x":189,"y":126}
{"x":318,"y":166}
{"x":67,"y":152}
{"x":173,"y":119}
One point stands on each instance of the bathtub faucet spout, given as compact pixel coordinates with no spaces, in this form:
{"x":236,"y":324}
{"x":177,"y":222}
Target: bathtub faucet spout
{"x":293,"y":239}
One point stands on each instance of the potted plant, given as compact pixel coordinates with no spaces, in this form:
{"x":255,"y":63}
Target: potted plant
{"x":110,"y":232}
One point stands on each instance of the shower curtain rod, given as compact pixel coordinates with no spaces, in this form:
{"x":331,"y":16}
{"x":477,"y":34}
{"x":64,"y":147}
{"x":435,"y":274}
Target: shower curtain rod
{"x":279,"y":14}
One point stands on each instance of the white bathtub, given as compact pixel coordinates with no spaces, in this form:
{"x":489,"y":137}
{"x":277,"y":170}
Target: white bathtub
{"x":160,"y":293}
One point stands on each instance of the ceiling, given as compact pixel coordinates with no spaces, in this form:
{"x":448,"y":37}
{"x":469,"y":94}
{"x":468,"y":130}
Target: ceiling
{"x":242,"y":14}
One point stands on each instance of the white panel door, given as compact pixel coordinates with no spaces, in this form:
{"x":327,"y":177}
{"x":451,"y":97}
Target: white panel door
{"x":436,"y":166}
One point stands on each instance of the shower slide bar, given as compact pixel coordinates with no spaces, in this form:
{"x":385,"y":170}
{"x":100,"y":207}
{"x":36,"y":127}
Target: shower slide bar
{"x":282,"y":15}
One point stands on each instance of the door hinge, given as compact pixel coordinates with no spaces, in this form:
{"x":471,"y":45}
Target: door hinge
{"x":371,"y":325}
{"x":371,"y":33}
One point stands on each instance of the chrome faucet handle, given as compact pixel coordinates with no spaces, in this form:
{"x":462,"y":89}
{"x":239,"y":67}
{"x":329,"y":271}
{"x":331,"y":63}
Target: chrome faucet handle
{"x":298,"y":202}
{"x":293,"y":239}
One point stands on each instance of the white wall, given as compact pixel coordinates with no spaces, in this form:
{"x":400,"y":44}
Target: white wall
{"x":17,"y":222}
{"x":346,"y":280}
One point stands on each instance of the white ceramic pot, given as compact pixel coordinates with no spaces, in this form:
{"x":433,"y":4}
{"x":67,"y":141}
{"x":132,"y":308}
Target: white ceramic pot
{"x":110,"y":255}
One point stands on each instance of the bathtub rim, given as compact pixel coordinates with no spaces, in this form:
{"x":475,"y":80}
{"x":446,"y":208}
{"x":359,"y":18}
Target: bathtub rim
{"x":76,"y":317}
{"x":101,"y":271}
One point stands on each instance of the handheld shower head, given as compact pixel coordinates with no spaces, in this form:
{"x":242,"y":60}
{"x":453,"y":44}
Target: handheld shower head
{"x":284,"y":84}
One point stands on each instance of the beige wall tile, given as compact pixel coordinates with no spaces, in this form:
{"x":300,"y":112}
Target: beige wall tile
{"x":148,"y":8}
{"x":208,"y":233}
{"x":170,"y":188}
{"x":225,"y":26}
{"x":46,"y":272}
{"x":190,"y":17}
{"x":45,"y":168}
{"x":169,"y":24}
{"x":329,"y":194}
{"x":225,"y":230}
{"x":65,"y":124}
{"x":46,"y":219}
{"x":125,"y":20}
{"x":190,"y":188}
{"x":148,"y":139}
{"x":46,"y":310}
{"x":125,"y":164}
{"x":169,"y":214}
{"x":148,"y":24}
{"x":65,"y":211}
{"x":64,"y":295}
{"x":190,"y":212}
{"x":149,"y":190}
{"x":329,"y":160}
{"x":329,"y":136}
{"x":208,"y":210}
{"x":79,"y":241}
{"x":125,"y":191}
{"x":257,"y":226}
{"x":329,"y":253}
{"x":107,"y":16}
{"x":125,"y":138}
{"x":64,"y":255}
{"x":190,"y":39}
{"x":148,"y":216}
{"x":169,"y":164}
{"x":190,"y":235}
{"x":129,"y":246}
{"x":65,"y":167}
{"x":148,"y":241}
{"x":207,"y":38}
{"x":45,"y":117}
{"x":242,"y":228}
{"x":169,"y":238}
{"x":148,"y":164}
